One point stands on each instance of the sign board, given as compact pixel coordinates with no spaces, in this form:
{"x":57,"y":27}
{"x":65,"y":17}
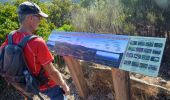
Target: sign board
{"x":143,"y":55}
{"x":106,"y":49}
{"x":135,"y":54}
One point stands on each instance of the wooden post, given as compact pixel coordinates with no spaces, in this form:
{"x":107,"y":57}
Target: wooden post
{"x":77,"y":75}
{"x":121,"y":82}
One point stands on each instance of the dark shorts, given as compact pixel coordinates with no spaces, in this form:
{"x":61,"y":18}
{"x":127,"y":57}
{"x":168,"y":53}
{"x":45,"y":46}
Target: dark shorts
{"x":54,"y":93}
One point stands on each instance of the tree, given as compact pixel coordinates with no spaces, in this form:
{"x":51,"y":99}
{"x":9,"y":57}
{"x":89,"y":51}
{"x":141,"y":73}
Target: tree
{"x":8,"y":20}
{"x":60,"y":12}
{"x":100,"y":16}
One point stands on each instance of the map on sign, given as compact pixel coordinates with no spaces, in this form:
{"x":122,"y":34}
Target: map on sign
{"x":131,"y":53}
{"x":106,"y":49}
{"x":143,"y":55}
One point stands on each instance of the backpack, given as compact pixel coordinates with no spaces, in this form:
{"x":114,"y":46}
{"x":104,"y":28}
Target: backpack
{"x":14,"y":69}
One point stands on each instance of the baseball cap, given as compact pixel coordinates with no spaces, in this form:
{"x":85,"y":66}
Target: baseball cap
{"x":30,"y":8}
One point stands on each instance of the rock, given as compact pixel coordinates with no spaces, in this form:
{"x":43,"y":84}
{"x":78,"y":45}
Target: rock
{"x":150,"y":80}
{"x":162,"y":81}
{"x":138,"y":76}
{"x":168,"y":85}
{"x":91,"y":97}
{"x":98,"y":77}
{"x":110,"y":96}
{"x":168,"y":72}
{"x":147,"y":79}
{"x":158,"y":78}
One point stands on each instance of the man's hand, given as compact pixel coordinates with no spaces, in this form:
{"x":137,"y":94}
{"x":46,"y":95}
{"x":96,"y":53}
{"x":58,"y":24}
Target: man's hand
{"x":57,"y":77}
{"x":66,"y":89}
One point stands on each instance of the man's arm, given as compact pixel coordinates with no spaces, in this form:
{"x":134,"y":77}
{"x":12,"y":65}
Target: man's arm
{"x":57,"y":77}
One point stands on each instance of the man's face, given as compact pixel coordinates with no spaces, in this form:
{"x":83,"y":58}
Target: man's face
{"x":34,"y":21}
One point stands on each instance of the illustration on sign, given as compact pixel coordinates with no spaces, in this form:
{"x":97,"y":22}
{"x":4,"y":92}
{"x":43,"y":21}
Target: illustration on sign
{"x":106,"y":49}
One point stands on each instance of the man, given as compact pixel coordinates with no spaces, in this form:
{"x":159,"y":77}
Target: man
{"x":36,"y":51}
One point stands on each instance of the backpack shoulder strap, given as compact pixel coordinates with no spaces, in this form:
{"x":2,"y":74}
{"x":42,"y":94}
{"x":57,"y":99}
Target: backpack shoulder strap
{"x":10,"y":41}
{"x":26,"y":39}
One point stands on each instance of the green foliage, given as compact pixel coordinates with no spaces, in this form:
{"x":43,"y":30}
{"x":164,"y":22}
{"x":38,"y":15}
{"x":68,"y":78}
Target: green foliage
{"x":151,"y":17}
{"x":45,"y":29}
{"x":130,"y":28}
{"x":18,"y":2}
{"x":145,"y":13}
{"x":8,"y":20}
{"x":101,"y":17}
{"x":65,"y":27}
{"x":87,"y":3}
{"x":60,"y":12}
{"x":136,"y":17}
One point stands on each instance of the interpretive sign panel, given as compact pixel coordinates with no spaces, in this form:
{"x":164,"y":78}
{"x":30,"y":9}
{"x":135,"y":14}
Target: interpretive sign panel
{"x":131,"y":53}
{"x":106,"y":49}
{"x":143,"y":55}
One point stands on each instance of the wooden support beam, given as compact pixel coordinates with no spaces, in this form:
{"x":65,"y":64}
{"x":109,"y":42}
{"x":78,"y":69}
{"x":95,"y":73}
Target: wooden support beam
{"x":77,"y":75}
{"x":121,"y":83}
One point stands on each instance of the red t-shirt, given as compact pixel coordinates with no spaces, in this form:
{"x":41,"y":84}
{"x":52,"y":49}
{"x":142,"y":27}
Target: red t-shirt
{"x":36,"y":54}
